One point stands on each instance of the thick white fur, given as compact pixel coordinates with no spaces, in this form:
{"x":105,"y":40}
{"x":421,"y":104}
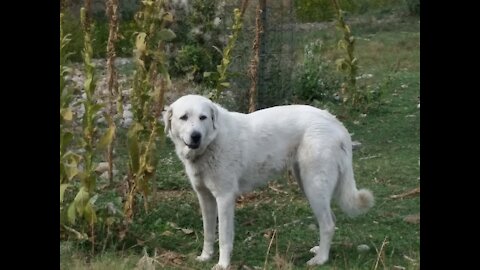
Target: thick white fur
{"x":238,"y":152}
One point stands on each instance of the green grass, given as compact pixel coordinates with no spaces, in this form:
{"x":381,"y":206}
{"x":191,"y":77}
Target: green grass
{"x":387,"y":163}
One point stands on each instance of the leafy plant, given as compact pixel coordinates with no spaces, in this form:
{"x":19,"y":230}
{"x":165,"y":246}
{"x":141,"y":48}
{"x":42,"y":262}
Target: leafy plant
{"x":348,"y":64}
{"x":220,"y":76}
{"x":69,"y":160}
{"x":315,"y":79}
{"x":199,"y":33}
{"x":112,"y":14}
{"x":82,"y":205}
{"x":192,"y":60}
{"x":151,"y":79}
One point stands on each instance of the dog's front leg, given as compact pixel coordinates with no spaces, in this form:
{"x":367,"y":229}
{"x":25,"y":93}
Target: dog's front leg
{"x":208,"y":205}
{"x":226,"y":209}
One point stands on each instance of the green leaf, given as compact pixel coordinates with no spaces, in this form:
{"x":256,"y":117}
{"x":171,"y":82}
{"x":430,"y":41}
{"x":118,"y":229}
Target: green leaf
{"x":140,"y":44}
{"x":88,"y":82}
{"x":110,"y":220}
{"x":168,"y":17}
{"x":71,"y":170}
{"x":166,"y":35}
{"x":95,"y":108}
{"x":164,"y":71}
{"x":218,"y":50}
{"x":147,"y":2}
{"x":66,"y":113}
{"x":89,"y":214}
{"x":207,"y":74}
{"x":225,"y":62}
{"x":93,"y":199}
{"x":81,"y":200}
{"x":65,"y":139}
{"x":342,"y":64}
{"x":63,"y":187}
{"x":107,"y":138}
{"x":342,"y":44}
{"x":225,"y":84}
{"x":133,"y":147}
{"x":71,"y":215}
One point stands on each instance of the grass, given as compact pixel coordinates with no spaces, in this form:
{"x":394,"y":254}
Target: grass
{"x":387,"y":163}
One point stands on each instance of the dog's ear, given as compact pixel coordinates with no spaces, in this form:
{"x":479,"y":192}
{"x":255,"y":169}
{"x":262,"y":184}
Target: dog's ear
{"x":167,"y":118}
{"x":214,"y":115}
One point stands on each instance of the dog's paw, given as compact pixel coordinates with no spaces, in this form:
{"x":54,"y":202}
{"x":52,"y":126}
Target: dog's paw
{"x":317,"y":260}
{"x":204,"y":257}
{"x":220,"y":267}
{"x":314,"y":249}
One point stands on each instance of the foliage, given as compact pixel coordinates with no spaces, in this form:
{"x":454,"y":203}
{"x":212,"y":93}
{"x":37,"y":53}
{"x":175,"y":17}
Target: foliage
{"x":349,"y":63}
{"x":112,"y":80}
{"x":150,"y":82}
{"x":199,"y":32}
{"x":192,"y":61}
{"x":220,"y":76}
{"x":100,"y":37}
{"x":82,"y":206}
{"x":315,"y":79}
{"x":68,"y":159}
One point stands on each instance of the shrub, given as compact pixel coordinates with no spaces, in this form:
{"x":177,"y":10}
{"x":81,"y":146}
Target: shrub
{"x":198,"y":31}
{"x":315,"y":78}
{"x":192,"y":60}
{"x":100,"y":37}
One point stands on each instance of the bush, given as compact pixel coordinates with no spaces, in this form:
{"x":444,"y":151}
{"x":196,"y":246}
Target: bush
{"x":124,"y":45}
{"x":315,"y":79}
{"x":192,"y":60}
{"x":198,"y":33}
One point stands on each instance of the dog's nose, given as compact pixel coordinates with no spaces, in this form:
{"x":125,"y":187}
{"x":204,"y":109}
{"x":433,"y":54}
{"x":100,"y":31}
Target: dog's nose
{"x":196,"y":136}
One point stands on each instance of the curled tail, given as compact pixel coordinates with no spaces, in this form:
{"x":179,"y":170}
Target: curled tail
{"x":350,"y":199}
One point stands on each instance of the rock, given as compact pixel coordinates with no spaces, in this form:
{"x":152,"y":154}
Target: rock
{"x":413,"y":219}
{"x":127,"y":114}
{"x":105,"y":174}
{"x":356,"y":145}
{"x":363,"y":248}
{"x":127,"y":122}
{"x":101,"y":120}
{"x":102,"y":167}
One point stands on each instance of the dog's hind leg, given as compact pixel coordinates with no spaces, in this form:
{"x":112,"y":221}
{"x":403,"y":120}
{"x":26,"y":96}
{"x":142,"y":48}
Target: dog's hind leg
{"x":319,"y":184}
{"x":208,"y":206}
{"x":296,"y":174}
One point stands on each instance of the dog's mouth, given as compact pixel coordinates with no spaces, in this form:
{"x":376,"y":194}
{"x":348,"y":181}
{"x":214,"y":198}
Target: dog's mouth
{"x":192,"y":145}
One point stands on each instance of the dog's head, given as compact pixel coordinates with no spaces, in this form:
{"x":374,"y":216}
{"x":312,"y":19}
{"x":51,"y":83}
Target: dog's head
{"x":191,"y":123}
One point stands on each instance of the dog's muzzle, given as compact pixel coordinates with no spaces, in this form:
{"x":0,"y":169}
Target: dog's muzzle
{"x":195,"y":139}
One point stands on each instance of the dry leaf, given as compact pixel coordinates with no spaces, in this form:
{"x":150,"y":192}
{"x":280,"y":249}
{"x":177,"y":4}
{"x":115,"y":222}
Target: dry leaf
{"x":187,"y":231}
{"x":167,"y":233}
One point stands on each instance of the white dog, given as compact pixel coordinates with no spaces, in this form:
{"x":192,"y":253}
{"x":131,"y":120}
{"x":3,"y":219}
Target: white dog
{"x":227,"y":153}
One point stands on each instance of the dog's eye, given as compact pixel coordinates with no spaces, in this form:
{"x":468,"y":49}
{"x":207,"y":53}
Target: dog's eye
{"x":203,"y":117}
{"x":184,"y":117}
